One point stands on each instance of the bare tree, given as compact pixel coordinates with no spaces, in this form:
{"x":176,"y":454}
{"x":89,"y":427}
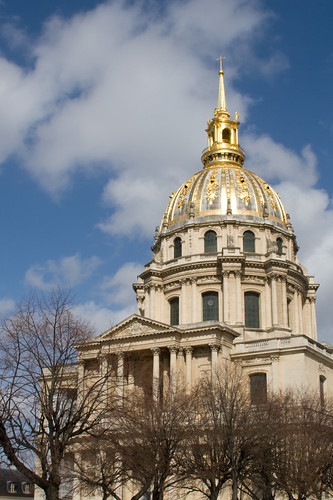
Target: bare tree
{"x":151,"y":432}
{"x":305,"y":461}
{"x":98,"y":466}
{"x":219,"y":436}
{"x":43,"y":402}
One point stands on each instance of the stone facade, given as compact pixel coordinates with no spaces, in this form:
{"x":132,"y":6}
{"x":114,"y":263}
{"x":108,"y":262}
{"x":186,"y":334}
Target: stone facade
{"x":224,"y":284}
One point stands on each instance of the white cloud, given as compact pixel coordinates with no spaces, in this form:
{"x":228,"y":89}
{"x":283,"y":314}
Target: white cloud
{"x":274,"y":161}
{"x":6,"y":306}
{"x":68,"y":272}
{"x":294,"y":177}
{"x":117,"y":289}
{"x":118,"y":299}
{"x":116,"y":87}
{"x":127,"y":90}
{"x":101,"y":317}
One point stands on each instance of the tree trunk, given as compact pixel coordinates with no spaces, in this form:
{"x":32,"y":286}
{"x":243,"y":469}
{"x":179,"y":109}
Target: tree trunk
{"x":52,"y":492}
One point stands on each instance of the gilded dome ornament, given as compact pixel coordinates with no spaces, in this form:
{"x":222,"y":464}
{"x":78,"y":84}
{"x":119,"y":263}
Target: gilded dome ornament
{"x":211,"y":189}
{"x":224,"y":188}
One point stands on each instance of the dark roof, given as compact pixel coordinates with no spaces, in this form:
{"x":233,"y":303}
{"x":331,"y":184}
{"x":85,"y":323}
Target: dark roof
{"x":8,"y":476}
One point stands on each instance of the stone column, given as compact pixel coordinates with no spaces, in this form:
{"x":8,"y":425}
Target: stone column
{"x":284,"y":301}
{"x":180,"y":366}
{"x":156,"y":372}
{"x":152,"y":302}
{"x":166,"y":374}
{"x":267,"y":322}
{"x":238,"y":284}
{"x":300,"y":312}
{"x":313,"y":318}
{"x":120,"y":375}
{"x":188,"y":352}
{"x":275,"y":320}
{"x":173,"y":368}
{"x":226,"y":296}
{"x":130,"y":383}
{"x":275,"y":373}
{"x":103,"y":373}
{"x":76,"y":495}
{"x":214,"y":349}
{"x":184,"y":310}
{"x":296,"y":312}
{"x":194,"y":312}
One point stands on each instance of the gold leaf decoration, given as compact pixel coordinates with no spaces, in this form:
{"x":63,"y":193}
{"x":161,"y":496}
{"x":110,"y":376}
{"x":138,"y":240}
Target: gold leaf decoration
{"x":270,"y":196}
{"x":184,"y":190}
{"x":211,"y":188}
{"x":243,"y":188}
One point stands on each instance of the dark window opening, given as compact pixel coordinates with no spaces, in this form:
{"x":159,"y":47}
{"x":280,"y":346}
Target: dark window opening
{"x":279,"y":245}
{"x":174,"y":311}
{"x":177,"y":249}
{"x":258,"y":388}
{"x":251,"y":302}
{"x":226,"y":135}
{"x":248,"y":242}
{"x":210,"y":242}
{"x":210,"y":306}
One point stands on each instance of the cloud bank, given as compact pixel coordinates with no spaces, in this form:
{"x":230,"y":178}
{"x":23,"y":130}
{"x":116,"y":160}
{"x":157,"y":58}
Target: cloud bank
{"x":127,"y":90}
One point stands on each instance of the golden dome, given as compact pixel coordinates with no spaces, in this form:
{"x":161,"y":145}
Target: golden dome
{"x":224,"y":188}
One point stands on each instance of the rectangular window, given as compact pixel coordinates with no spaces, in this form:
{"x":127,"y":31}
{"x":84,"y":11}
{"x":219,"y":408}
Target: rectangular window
{"x":174,"y":311}
{"x":251,"y":303}
{"x":258,"y":388}
{"x":210,"y":305}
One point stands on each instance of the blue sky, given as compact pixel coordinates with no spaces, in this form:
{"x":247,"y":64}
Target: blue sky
{"x":103,"y":107}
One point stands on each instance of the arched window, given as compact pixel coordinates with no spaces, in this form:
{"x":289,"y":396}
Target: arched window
{"x":210,"y":306}
{"x":279,"y":245}
{"x":248,"y":242}
{"x":251,"y":306}
{"x":177,"y":248}
{"x":174,"y":311}
{"x":226,"y":134}
{"x":210,"y":242}
{"x":258,"y":388}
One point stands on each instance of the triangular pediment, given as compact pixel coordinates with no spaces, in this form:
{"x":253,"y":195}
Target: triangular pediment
{"x":135,"y":325}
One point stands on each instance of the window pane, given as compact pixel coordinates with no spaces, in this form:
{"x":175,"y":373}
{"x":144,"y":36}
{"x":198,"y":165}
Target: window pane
{"x":248,"y":242}
{"x":210,"y":242}
{"x":177,"y":251}
{"x":210,"y":306}
{"x":251,"y":300}
{"x":174,"y":311}
{"x":258,"y":388}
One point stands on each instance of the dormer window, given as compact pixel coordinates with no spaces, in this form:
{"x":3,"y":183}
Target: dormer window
{"x":11,"y":487}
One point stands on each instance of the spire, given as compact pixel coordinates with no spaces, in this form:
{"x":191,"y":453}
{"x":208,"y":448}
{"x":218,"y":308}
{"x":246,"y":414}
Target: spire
{"x":222,"y":133}
{"x":222,"y":104}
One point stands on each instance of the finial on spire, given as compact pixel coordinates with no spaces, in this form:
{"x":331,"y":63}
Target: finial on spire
{"x":221,"y":100}
{"x":220,"y":59}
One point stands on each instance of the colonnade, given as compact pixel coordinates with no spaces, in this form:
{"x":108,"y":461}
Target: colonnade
{"x":175,"y":361}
